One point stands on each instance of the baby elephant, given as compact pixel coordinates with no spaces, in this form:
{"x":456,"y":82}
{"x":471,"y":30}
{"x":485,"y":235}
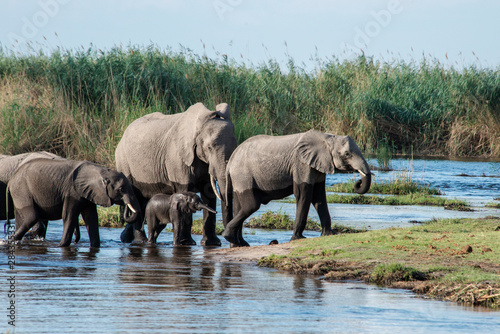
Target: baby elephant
{"x":176,"y":209}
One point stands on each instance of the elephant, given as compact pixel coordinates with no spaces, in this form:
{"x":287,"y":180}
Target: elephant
{"x":8,"y":165}
{"x":176,"y":209}
{"x":265,"y":168}
{"x":64,"y":189}
{"x":175,"y":153}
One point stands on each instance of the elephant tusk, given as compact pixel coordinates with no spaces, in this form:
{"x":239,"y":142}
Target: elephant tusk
{"x":362,"y":174}
{"x":214,"y":187}
{"x":131,"y":208}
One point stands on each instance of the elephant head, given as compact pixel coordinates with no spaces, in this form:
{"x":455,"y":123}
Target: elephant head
{"x":106,"y":187}
{"x":208,"y":136}
{"x":327,"y":153}
{"x":189,"y":202}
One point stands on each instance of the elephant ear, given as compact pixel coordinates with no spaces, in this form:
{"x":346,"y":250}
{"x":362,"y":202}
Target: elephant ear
{"x":180,"y":203}
{"x":182,"y":135}
{"x":89,"y":183}
{"x":223,"y":111}
{"x":313,"y":150}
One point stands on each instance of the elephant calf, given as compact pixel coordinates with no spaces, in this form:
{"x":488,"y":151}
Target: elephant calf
{"x":176,"y":209}
{"x":43,"y":189}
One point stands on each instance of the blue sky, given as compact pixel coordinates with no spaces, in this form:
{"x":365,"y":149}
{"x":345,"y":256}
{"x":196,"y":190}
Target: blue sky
{"x":457,"y":33}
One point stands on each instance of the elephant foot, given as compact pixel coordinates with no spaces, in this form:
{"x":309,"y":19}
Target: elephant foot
{"x":33,"y":236}
{"x":327,"y":232}
{"x":244,"y":243}
{"x":297,"y":237}
{"x":140,"y":236}
{"x":37,"y":232}
{"x":212,"y":241}
{"x":231,"y":237}
{"x":185,"y":242}
{"x":127,"y":235}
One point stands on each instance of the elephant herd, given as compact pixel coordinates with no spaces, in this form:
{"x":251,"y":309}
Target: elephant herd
{"x":162,"y":161}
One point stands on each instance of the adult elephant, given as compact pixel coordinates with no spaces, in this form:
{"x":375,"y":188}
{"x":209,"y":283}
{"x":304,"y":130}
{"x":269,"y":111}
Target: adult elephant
{"x":64,"y":189}
{"x":8,"y":166}
{"x":264,"y":168}
{"x":177,"y":153}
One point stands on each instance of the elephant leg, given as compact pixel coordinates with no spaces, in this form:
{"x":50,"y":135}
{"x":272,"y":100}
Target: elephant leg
{"x":139,"y":233}
{"x":242,"y":242}
{"x":321,"y":206}
{"x":77,"y":233}
{"x":157,"y":231}
{"x":24,"y":221}
{"x":70,"y":224}
{"x":303,"y":193}
{"x":133,"y":231}
{"x":182,"y":229}
{"x":127,"y":235}
{"x":153,"y":228}
{"x":91,"y":220}
{"x":209,"y":219}
{"x":38,"y":231}
{"x":245,"y":207}
{"x":227,"y":210}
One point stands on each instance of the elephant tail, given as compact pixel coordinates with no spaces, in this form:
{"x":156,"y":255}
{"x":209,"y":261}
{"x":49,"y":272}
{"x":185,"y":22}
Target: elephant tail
{"x":7,"y":225}
{"x":229,"y":188}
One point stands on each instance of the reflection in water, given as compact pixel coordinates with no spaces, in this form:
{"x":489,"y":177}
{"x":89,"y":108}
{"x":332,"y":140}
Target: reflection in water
{"x":121,"y":288}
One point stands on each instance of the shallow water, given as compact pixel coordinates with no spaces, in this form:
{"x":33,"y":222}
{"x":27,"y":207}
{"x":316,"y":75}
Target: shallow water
{"x":131,"y":288}
{"x":123,"y":288}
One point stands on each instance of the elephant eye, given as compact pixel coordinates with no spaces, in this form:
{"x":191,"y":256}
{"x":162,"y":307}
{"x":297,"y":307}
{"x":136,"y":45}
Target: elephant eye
{"x":347,"y":155}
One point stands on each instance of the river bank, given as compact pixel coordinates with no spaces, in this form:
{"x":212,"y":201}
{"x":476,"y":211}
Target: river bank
{"x":451,"y":260}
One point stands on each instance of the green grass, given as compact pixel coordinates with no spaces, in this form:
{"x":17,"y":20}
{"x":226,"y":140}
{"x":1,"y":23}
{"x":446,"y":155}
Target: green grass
{"x":458,"y":258}
{"x":395,"y":272}
{"x":387,"y":188}
{"x":282,"y":221}
{"x":279,"y":221}
{"x":197,"y":227}
{"x":410,"y":199}
{"x":77,"y":103}
{"x":494,"y":205}
{"x":401,"y":183}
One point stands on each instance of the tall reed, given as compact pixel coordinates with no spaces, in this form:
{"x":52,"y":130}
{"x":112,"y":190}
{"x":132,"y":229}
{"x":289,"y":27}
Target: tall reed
{"x":86,"y":98}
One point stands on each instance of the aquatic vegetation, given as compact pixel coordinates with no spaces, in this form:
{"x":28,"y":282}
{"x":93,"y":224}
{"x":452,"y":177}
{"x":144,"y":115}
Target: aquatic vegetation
{"x":280,"y":221}
{"x":410,"y":199}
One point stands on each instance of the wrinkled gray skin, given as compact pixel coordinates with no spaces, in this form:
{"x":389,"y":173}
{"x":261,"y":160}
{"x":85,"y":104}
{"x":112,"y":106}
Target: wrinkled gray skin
{"x":8,"y":165}
{"x":265,"y":168}
{"x":64,"y":189}
{"x":176,"y":209}
{"x":169,"y":154}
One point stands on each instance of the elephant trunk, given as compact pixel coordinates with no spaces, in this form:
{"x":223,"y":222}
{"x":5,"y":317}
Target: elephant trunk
{"x":363,"y":185}
{"x":132,"y":209}
{"x":206,"y":207}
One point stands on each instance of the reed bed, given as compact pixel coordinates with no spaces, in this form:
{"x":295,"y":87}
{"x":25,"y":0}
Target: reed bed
{"x":77,"y":103}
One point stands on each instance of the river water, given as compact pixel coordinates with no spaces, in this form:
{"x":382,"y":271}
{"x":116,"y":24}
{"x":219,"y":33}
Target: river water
{"x":164,"y":289}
